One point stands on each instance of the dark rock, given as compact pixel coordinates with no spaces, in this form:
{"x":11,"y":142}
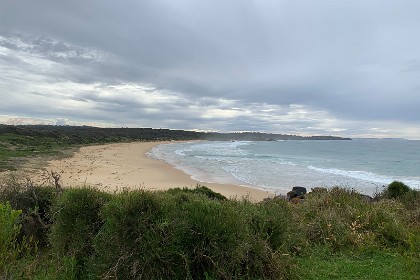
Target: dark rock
{"x":300,"y":191}
{"x":296,"y":192}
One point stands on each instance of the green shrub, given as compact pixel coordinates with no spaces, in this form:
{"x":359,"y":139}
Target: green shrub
{"x":274,"y":239}
{"x":76,"y":223}
{"x":209,"y":193}
{"x":199,"y":190}
{"x":411,"y":201}
{"x":9,"y":229}
{"x":343,"y":219}
{"x":396,"y":189}
{"x":137,"y":240}
{"x":185,"y":235}
{"x":326,"y":217}
{"x":217,"y":239}
{"x":35,"y":202}
{"x":273,"y":222}
{"x":387,"y":221}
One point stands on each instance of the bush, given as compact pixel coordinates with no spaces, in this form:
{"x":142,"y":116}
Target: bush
{"x":199,"y":190}
{"x":326,"y":217}
{"x":274,"y":239}
{"x":9,"y":229}
{"x":76,"y":223}
{"x":386,"y":221}
{"x":343,"y":219}
{"x":217,"y":238}
{"x":35,"y":202}
{"x":273,"y":222}
{"x":185,"y":235}
{"x":396,"y":189}
{"x":138,"y":239}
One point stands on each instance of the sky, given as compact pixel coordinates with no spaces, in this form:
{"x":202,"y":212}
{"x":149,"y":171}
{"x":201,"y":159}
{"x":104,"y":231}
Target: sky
{"x":326,"y":67}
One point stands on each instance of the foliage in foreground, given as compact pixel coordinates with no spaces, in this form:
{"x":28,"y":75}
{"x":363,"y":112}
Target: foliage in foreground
{"x":9,"y":229}
{"x":195,"y":234}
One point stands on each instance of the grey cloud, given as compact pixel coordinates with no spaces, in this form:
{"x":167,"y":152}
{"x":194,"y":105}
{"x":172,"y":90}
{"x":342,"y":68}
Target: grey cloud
{"x":355,"y":60}
{"x":59,"y":97}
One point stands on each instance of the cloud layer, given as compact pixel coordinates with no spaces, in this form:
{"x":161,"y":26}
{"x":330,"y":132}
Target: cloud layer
{"x":342,"y":68}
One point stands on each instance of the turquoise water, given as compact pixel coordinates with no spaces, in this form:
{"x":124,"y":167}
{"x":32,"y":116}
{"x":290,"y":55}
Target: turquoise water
{"x":362,"y":164}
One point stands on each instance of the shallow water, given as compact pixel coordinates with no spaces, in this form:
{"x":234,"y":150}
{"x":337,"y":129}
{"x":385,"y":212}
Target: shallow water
{"x":362,"y":164}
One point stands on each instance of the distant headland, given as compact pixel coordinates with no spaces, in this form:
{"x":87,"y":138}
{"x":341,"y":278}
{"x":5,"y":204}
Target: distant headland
{"x":89,"y":134}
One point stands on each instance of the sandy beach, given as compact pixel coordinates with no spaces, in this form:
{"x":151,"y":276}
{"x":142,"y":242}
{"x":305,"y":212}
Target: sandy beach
{"x":114,"y":167}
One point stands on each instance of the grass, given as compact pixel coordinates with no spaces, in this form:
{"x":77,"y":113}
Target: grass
{"x":377,"y":264}
{"x":15,"y":148}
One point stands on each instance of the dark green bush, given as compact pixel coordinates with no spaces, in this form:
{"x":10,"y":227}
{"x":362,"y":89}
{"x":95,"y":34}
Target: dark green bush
{"x":35,"y":202}
{"x":220,"y":241}
{"x":185,"y":235}
{"x":76,"y":223}
{"x":217,"y":239}
{"x":274,"y":238}
{"x":209,"y":193}
{"x":396,"y":189}
{"x":199,"y":190}
{"x":272,"y":222}
{"x":26,"y":196}
{"x":138,"y":239}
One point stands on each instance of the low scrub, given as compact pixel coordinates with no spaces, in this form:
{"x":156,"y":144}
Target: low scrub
{"x":343,"y":219}
{"x":199,"y":234}
{"x":35,"y":202}
{"x":180,"y":235}
{"x":396,"y":190}
{"x":136,"y":240}
{"x":76,"y":224}
{"x":10,"y":248}
{"x":201,"y":190}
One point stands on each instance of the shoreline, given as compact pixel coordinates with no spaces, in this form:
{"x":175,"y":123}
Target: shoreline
{"x":118,"y":166}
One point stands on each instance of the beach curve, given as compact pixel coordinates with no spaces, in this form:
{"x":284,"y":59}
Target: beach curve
{"x":118,"y":166}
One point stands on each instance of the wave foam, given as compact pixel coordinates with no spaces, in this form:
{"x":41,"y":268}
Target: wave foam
{"x":367,"y":176}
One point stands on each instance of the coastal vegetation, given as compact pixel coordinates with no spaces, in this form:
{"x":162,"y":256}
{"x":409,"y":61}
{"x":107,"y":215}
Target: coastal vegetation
{"x":83,"y":233}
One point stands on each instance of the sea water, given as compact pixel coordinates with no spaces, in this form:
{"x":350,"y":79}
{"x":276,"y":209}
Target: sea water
{"x":365,"y":165}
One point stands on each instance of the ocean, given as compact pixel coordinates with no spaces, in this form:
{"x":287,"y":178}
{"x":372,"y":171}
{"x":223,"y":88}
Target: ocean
{"x":365,"y":165}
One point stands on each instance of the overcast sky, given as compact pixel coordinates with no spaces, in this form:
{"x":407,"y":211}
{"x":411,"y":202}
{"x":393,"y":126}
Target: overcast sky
{"x":346,"y":68}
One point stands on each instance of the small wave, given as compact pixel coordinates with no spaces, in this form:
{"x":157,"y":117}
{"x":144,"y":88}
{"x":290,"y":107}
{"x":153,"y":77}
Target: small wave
{"x":360,"y":175}
{"x":182,"y":152}
{"x":367,"y":176}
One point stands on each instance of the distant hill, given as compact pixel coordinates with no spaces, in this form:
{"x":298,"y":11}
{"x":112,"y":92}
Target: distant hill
{"x":88,"y":134}
{"x":259,"y":136}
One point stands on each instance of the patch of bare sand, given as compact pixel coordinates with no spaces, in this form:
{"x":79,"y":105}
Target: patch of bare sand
{"x":114,"y":167}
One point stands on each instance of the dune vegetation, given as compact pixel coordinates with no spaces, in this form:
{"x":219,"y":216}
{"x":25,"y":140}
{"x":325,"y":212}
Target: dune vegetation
{"x":51,"y":233}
